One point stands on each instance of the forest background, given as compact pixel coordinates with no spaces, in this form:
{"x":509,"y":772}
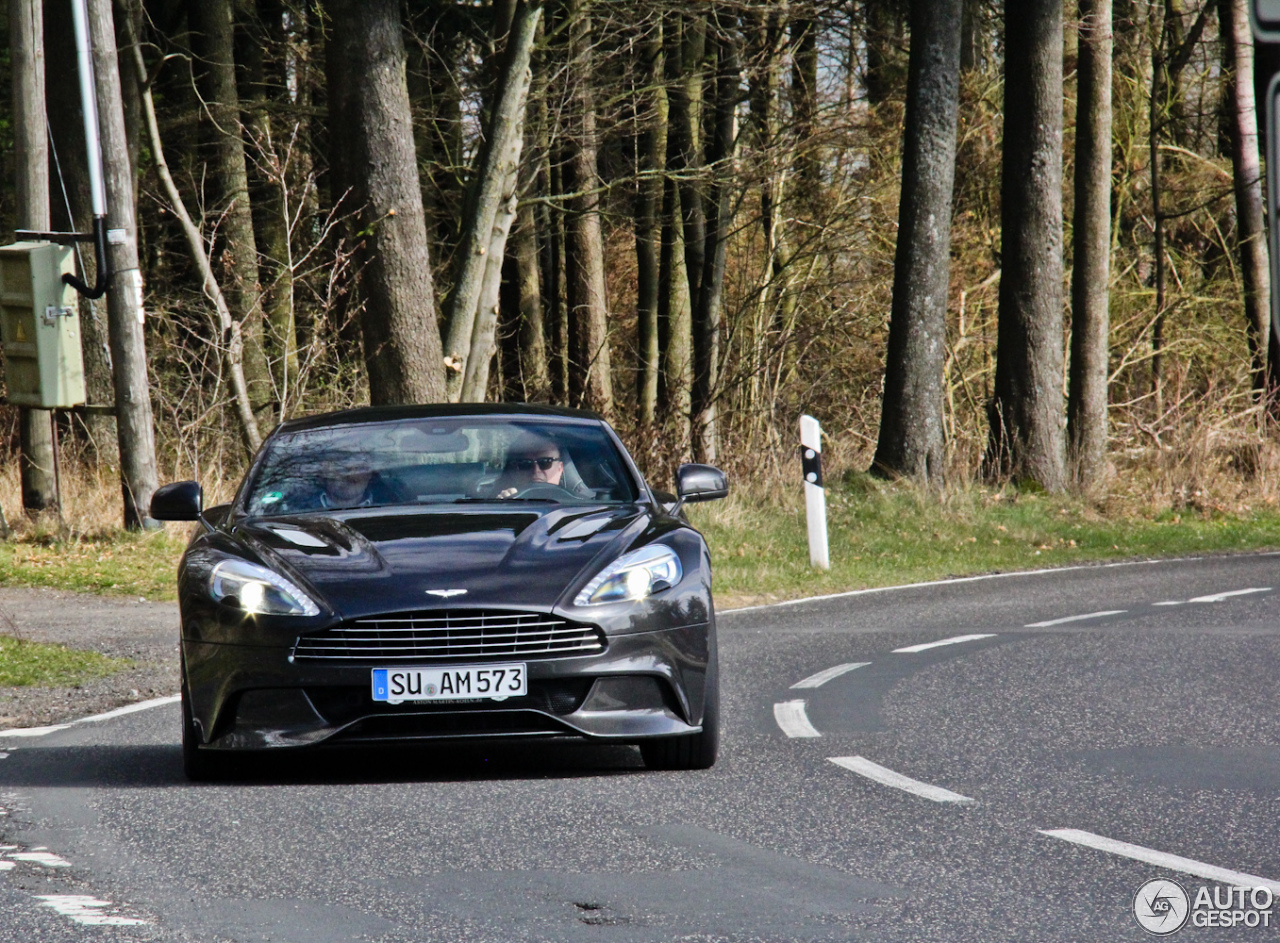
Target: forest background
{"x":692,"y":219}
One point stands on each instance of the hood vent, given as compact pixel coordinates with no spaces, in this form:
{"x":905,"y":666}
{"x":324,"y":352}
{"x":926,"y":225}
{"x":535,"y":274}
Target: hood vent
{"x":453,"y":635}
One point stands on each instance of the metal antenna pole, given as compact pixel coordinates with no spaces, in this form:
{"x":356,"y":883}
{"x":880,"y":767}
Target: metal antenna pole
{"x":89,"y":107}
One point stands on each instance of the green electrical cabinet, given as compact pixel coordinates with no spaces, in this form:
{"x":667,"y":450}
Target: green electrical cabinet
{"x":40,"y":326}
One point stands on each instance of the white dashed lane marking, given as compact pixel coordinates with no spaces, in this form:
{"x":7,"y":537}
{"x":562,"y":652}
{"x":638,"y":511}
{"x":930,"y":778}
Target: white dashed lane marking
{"x":911,"y":649}
{"x":887,"y":777}
{"x":1162,"y":859}
{"x":793,"y":720}
{"x":1080,"y":618}
{"x":822,"y":677}
{"x":1218,"y":597}
{"x":1171,"y":602}
{"x":87,"y":910}
{"x":41,"y":857}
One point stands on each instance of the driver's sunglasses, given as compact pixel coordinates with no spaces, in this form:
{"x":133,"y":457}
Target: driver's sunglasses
{"x":526,"y":464}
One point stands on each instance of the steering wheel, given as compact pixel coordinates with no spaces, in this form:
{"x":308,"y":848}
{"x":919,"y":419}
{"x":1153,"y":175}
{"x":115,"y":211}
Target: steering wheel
{"x":544,"y":489}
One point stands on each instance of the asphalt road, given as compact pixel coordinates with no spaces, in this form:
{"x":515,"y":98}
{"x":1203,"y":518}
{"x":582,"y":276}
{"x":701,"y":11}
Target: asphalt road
{"x":1110,"y":726}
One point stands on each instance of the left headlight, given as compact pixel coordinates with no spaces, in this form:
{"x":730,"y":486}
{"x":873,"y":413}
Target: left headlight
{"x":633,"y":575}
{"x":259,"y":590}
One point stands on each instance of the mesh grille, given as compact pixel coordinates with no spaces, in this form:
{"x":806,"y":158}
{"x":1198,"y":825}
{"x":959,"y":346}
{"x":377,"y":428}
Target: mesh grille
{"x":450,"y":635}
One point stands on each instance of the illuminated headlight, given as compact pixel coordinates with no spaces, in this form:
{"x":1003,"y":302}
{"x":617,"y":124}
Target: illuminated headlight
{"x":259,"y":590}
{"x":633,"y":575}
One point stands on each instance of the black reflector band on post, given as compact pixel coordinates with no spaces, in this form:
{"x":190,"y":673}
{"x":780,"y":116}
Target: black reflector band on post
{"x":811,"y":462}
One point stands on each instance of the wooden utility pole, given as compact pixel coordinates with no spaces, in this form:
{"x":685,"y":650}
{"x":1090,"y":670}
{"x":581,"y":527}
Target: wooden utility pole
{"x":135,"y":426}
{"x":31,"y":157}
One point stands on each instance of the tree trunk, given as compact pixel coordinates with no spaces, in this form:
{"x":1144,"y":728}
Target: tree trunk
{"x":883,"y":34}
{"x":135,"y":426}
{"x":1026,"y":412}
{"x":591,"y":385}
{"x":651,"y":109}
{"x":804,"y":105}
{"x":74,"y":214}
{"x":530,"y":332}
{"x":675,"y":323}
{"x":1091,"y":274}
{"x":31,"y":161}
{"x":235,"y":257}
{"x":911,"y":440}
{"x":686,"y":46}
{"x":275,"y":92}
{"x":1251,"y":233}
{"x":707,"y":310}
{"x":402,"y":348}
{"x":495,"y":204}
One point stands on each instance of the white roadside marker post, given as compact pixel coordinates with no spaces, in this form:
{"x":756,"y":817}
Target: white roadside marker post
{"x":815,"y":496}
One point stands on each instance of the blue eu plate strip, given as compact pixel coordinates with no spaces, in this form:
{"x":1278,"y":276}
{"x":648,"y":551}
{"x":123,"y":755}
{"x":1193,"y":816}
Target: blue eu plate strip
{"x":380,"y":684}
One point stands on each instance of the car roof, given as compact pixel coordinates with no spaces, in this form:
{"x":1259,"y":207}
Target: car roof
{"x":365,"y":414}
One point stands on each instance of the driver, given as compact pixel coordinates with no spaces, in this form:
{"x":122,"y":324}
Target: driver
{"x":531,"y":460}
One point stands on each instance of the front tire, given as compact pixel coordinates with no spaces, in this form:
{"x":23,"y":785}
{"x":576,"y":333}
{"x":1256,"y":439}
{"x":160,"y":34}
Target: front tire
{"x":692,"y":751}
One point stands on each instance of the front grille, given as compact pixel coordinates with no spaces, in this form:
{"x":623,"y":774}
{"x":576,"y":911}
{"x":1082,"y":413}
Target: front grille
{"x":459,"y":635}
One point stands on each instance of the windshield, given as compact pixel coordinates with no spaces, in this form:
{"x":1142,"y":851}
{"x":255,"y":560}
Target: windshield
{"x":438,"y":461}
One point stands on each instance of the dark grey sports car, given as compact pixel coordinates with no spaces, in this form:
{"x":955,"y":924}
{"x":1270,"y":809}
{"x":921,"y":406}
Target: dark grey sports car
{"x":446,"y":572}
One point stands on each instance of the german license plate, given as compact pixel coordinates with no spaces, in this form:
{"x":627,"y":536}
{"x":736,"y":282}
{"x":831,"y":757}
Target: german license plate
{"x":459,"y":682}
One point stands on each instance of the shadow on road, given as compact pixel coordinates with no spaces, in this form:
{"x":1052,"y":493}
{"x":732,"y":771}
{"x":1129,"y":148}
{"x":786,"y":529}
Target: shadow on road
{"x":160,"y":765}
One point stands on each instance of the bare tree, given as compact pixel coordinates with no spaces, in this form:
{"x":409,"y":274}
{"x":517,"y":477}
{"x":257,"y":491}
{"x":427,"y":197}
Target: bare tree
{"x":402,"y":347}
{"x":652,"y":111}
{"x":235,"y":254}
{"x":911,"y":432}
{"x":1091,"y":239}
{"x":31,"y":160}
{"x":591,"y":383}
{"x":1251,"y":233}
{"x":474,"y":303}
{"x":1025,"y":413}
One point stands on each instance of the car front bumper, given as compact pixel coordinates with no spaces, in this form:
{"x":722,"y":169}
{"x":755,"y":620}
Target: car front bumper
{"x":645,"y":684}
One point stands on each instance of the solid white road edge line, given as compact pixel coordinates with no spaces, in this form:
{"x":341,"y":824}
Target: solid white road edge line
{"x":912,"y":649}
{"x":1218,"y":597}
{"x":793,"y":720}
{"x":93,"y":719}
{"x":1162,"y":859}
{"x":887,"y":777}
{"x":131,"y":709}
{"x":1047,"y":571}
{"x":33,"y":731}
{"x":822,"y":677}
{"x":1066,"y":619}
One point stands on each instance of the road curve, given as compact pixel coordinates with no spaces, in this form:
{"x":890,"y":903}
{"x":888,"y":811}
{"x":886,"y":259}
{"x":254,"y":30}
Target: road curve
{"x":996,"y":759}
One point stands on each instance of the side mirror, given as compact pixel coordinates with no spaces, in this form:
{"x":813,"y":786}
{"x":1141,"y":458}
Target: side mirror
{"x":180,"y":501}
{"x":700,"y":483}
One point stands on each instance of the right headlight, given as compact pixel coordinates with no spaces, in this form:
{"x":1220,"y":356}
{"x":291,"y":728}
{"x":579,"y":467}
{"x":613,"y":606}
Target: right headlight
{"x":259,"y":590}
{"x":633,"y":575}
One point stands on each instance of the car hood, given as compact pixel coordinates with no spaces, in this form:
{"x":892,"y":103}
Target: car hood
{"x":366,"y":561}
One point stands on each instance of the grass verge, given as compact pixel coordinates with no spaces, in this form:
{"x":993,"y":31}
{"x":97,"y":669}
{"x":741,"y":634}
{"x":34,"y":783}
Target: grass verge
{"x":880,"y":535}
{"x":24,"y":664}
{"x":883,"y":535}
{"x":112,"y":563}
